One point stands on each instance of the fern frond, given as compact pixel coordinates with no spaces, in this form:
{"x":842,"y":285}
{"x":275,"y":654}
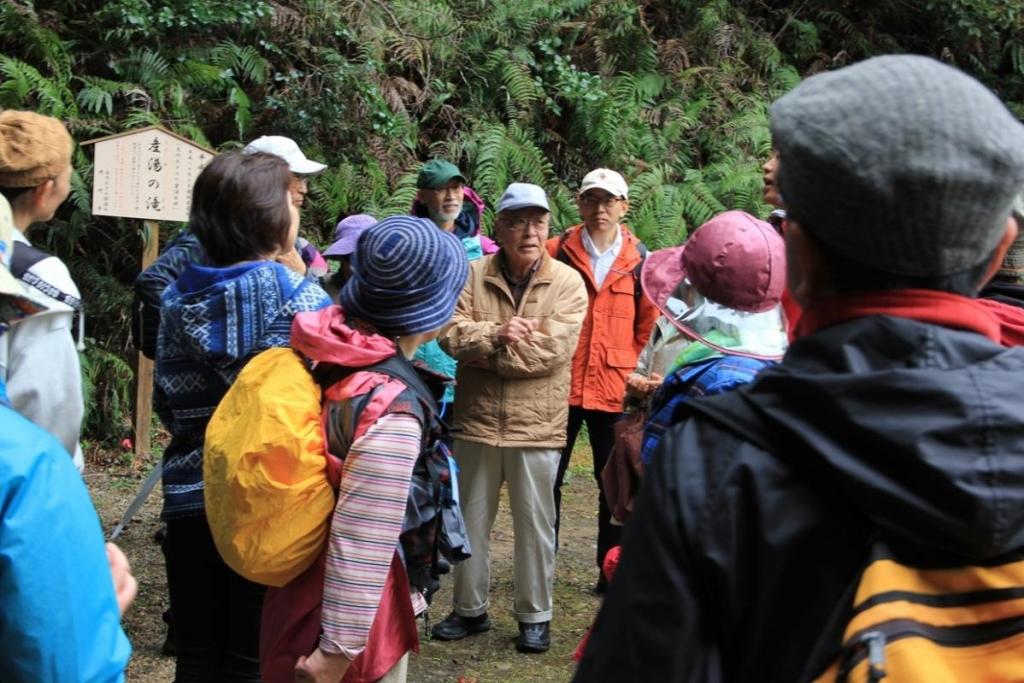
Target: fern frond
{"x":17,"y":86}
{"x":698,"y":201}
{"x":526,"y":159}
{"x":138,"y":118}
{"x":243,"y":110}
{"x":97,"y":94}
{"x":52,"y":97}
{"x":406,"y":49}
{"x":401,"y":197}
{"x":487,"y":160}
{"x":245,"y":63}
{"x":564,"y":211}
{"x":80,"y":194}
{"x":200,"y":75}
{"x":523,"y":91}
{"x":145,"y":66}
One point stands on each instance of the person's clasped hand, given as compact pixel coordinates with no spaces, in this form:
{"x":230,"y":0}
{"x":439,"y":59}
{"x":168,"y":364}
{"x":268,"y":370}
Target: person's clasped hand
{"x":640,"y":386}
{"x":652,"y":383}
{"x":635,"y":384}
{"x":515,"y":330}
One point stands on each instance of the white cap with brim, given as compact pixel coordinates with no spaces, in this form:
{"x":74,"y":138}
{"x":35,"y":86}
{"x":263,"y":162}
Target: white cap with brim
{"x":523,"y":196}
{"x":605,"y":179}
{"x":16,"y":299}
{"x":287,"y":149}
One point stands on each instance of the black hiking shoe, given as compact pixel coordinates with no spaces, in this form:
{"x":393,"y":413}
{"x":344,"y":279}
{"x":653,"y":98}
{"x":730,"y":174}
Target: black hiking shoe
{"x":457,"y":627}
{"x":534,"y":637}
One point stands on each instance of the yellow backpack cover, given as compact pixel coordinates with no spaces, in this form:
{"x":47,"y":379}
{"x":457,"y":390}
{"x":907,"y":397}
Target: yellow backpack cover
{"x":941,"y":624}
{"x":268,"y":497}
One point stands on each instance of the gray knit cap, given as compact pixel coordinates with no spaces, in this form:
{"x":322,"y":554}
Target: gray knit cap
{"x":900,"y":163}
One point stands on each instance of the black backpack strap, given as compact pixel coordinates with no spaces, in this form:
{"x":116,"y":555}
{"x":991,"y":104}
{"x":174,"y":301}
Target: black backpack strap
{"x":638,"y":291}
{"x":23,"y":257}
{"x":329,"y":374}
{"x":397,"y":366}
{"x":560,"y":254}
{"x":401,"y":368}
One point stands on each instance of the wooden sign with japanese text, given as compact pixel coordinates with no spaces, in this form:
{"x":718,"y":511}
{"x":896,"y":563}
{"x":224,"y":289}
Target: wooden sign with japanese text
{"x":146,"y":173}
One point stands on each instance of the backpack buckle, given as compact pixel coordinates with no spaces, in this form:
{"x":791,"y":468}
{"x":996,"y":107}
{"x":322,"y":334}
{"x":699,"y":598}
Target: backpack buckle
{"x":874,"y":642}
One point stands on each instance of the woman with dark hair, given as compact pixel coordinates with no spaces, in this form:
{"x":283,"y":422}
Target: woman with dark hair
{"x":214,"y":318}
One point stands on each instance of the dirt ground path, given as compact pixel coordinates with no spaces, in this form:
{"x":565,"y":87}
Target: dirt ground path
{"x":489,"y":657}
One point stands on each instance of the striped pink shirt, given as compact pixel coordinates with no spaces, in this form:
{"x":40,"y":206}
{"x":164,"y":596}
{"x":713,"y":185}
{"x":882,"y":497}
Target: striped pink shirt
{"x":364,"y":531}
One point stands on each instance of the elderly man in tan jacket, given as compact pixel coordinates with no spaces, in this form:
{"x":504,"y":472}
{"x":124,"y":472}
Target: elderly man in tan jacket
{"x":514,"y":333}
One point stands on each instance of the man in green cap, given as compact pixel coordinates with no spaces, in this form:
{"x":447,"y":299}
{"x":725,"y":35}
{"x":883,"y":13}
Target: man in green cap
{"x":443,"y":197}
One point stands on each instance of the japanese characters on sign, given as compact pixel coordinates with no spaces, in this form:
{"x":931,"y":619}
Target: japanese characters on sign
{"x":146,"y":174}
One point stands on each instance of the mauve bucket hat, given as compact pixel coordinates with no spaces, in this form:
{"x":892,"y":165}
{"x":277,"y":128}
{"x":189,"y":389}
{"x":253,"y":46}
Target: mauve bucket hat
{"x":723,"y":286}
{"x":346,"y":234}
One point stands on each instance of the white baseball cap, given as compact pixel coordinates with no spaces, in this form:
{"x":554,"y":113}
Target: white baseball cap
{"x":285,"y":148}
{"x":607,"y":180}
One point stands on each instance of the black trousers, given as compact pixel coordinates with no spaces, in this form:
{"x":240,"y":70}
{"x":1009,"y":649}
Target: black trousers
{"x":216,"y":611}
{"x":601,"y":426}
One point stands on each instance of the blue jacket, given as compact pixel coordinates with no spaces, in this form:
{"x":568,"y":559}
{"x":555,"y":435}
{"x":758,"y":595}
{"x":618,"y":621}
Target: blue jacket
{"x":59,"y":620}
{"x":181,"y":251}
{"x":212,"y":321}
{"x":151,"y":283}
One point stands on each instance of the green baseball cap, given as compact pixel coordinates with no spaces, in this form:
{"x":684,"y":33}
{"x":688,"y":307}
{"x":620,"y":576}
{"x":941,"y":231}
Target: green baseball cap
{"x":438,"y":173}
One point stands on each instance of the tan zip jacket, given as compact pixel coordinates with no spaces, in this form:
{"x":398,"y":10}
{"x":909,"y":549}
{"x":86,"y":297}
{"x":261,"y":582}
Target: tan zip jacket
{"x":515,"y":396}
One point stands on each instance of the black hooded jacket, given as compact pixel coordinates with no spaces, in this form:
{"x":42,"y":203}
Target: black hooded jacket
{"x":758,"y":511}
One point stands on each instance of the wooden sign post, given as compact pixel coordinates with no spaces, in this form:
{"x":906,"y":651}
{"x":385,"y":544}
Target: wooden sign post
{"x":144,"y":366}
{"x":145,"y":173}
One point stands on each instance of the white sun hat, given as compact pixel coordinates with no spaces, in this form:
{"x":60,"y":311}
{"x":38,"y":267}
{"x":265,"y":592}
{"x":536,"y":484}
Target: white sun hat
{"x":287,"y":149}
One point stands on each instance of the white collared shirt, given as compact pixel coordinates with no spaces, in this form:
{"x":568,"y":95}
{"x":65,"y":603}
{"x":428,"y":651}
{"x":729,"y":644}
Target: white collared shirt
{"x":601,"y":263}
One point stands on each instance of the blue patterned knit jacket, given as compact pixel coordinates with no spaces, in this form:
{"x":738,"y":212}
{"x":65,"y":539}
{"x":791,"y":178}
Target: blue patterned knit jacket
{"x":212,"y":321}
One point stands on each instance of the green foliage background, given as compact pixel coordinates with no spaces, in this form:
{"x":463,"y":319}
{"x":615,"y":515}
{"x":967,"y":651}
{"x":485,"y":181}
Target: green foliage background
{"x":674,"y":93}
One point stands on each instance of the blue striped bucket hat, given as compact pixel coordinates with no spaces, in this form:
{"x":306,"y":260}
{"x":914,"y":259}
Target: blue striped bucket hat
{"x":407,"y":275}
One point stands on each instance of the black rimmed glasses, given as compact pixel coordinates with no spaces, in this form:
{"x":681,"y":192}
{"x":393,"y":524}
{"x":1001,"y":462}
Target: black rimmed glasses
{"x":521,"y":224}
{"x":593,"y":200}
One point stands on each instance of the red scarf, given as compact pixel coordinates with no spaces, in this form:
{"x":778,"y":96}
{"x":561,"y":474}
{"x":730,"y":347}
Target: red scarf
{"x":1011,"y":321}
{"x":1001,"y":323}
{"x":793,"y":312}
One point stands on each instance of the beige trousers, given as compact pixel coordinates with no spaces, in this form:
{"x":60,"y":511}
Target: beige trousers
{"x":530,"y":473}
{"x":398,"y":673}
